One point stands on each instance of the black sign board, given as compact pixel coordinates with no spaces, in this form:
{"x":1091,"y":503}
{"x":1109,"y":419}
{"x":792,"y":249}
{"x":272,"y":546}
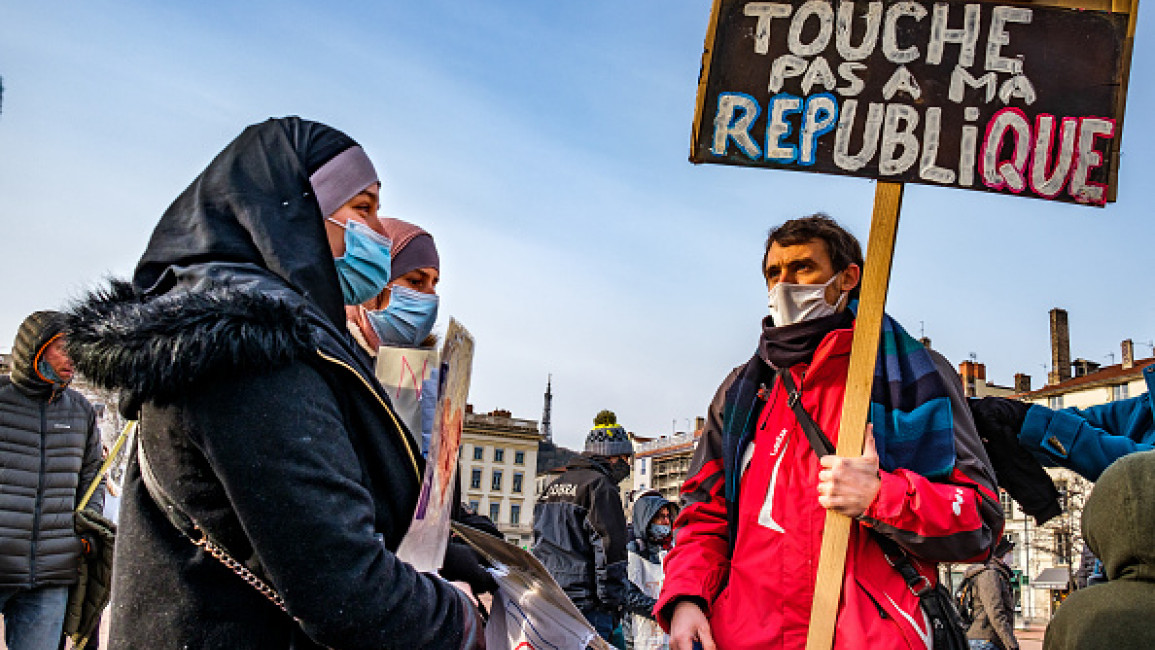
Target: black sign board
{"x":1009,"y":98}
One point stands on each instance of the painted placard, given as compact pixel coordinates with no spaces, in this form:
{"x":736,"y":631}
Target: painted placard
{"x":424,"y":543}
{"x":1005,"y":98}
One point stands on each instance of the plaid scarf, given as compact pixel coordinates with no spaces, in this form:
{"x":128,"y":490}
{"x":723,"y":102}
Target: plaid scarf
{"x":909,"y":407}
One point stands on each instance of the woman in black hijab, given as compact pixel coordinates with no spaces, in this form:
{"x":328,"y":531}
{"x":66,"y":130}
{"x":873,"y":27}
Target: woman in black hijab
{"x":261,"y":428}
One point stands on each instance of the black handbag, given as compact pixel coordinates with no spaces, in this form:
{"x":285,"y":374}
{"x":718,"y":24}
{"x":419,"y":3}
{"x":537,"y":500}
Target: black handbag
{"x":947,"y":631}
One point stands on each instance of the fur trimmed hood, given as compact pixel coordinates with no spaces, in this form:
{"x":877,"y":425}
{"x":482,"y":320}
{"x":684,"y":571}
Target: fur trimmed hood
{"x":156,"y":348}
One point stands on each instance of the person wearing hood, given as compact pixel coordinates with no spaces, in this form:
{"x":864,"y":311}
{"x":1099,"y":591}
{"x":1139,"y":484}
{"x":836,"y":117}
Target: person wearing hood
{"x":272,"y":483}
{"x":1119,"y":526}
{"x":403,"y":313}
{"x":992,"y":601}
{"x":763,"y":477}
{"x":51,"y":455}
{"x":579,"y":527}
{"x":653,"y":519}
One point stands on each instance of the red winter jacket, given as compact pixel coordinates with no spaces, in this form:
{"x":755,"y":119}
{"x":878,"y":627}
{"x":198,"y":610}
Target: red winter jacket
{"x":758,"y":587}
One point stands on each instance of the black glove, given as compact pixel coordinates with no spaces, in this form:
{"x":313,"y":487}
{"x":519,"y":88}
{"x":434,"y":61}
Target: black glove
{"x":89,"y":544}
{"x":463,"y":564}
{"x":1016,"y":468}
{"x":999,"y":416}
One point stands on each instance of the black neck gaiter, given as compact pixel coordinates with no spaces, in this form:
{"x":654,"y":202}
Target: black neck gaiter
{"x":789,"y":345}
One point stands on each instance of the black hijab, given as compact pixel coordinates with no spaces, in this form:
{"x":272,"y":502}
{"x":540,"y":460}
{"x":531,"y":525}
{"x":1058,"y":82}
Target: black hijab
{"x":253,"y":207}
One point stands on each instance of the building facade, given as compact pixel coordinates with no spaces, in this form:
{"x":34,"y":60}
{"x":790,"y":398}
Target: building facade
{"x":661,"y":464}
{"x":499,"y":470}
{"x":1049,"y":556}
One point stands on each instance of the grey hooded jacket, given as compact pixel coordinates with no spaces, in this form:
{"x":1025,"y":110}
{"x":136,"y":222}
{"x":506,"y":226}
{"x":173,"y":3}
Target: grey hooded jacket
{"x":49,"y":453}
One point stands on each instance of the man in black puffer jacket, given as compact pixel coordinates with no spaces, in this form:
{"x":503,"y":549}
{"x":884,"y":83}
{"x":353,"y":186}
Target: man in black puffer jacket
{"x":51,"y":452}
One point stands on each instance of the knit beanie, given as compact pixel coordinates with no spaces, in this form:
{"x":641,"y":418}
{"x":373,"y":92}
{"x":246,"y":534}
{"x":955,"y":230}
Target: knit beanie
{"x":608,"y":440}
{"x":35,"y":333}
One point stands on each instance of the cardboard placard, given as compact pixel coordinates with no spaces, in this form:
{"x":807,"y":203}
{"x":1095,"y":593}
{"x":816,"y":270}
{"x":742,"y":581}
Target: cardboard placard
{"x":1006,"y":98}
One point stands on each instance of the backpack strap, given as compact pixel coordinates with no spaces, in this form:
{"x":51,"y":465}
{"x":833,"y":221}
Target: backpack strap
{"x":818,"y":440}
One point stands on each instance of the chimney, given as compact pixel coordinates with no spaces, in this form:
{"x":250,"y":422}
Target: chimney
{"x":1060,"y":348}
{"x":1022,"y":383}
{"x":1128,"y":354}
{"x":969,"y":371}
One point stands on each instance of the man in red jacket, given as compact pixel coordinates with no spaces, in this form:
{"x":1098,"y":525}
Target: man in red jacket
{"x":745,"y":558}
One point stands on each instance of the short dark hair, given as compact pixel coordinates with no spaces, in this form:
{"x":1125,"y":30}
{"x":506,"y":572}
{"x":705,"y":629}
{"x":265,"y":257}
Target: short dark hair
{"x":841,"y":246}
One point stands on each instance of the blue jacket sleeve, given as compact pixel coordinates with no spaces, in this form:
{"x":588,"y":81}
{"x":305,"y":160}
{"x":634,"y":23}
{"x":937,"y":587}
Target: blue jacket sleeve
{"x":1088,"y":440}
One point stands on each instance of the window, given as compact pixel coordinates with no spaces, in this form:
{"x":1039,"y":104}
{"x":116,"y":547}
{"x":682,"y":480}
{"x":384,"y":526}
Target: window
{"x":498,"y":455}
{"x":475,"y":505}
{"x":478,"y":452}
{"x":1119,"y":392}
{"x":1008,"y":504}
{"x":519,"y":458}
{"x":475,"y":480}
{"x":517,"y":477}
{"x":496,"y":485}
{"x":642,"y":466}
{"x":1062,"y":487}
{"x":495,"y":511}
{"x":514,"y":514}
{"x":1055,"y":402}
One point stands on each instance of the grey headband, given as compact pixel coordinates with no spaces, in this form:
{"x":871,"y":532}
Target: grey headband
{"x":342,"y":178}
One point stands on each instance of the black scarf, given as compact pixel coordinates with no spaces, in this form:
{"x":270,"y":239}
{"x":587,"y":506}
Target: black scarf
{"x":789,"y":345}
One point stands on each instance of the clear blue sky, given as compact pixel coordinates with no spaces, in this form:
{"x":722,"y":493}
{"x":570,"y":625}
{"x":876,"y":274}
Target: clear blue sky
{"x":544,"y":144}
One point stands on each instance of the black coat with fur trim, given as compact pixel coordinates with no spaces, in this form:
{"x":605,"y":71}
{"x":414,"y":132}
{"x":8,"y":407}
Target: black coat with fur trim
{"x":261,"y":421}
{"x":276,"y":442}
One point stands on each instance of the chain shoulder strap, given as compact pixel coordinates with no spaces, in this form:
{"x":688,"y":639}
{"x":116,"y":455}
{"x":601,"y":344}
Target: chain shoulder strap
{"x":195,"y":533}
{"x":219,"y":552}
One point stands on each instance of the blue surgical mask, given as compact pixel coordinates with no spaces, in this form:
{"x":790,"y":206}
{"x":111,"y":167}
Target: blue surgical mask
{"x":407,"y":319}
{"x":364,"y":268}
{"x":659,"y":531}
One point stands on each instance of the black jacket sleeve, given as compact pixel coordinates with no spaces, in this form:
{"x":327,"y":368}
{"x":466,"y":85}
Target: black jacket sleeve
{"x":283,"y":454}
{"x":606,"y":527}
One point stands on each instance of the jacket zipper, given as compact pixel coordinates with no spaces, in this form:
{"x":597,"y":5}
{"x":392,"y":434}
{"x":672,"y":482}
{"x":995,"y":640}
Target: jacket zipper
{"x":405,"y":441}
{"x":39,"y":495}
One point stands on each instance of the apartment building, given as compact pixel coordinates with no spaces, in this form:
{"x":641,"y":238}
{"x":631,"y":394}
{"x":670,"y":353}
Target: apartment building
{"x":499,"y":469}
{"x":1049,"y":555}
{"x":661,"y":464}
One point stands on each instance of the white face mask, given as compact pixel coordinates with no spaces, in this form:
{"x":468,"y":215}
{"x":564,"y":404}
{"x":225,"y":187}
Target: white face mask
{"x":794,"y":303}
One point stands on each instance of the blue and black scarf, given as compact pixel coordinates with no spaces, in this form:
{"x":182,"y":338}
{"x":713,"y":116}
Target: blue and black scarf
{"x":910,"y":407}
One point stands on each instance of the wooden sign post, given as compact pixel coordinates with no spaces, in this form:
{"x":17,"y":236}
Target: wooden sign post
{"x":856,"y":404}
{"x":1023,"y":99}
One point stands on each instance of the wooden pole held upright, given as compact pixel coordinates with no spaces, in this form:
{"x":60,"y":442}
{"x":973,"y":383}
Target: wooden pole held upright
{"x":855,"y":405}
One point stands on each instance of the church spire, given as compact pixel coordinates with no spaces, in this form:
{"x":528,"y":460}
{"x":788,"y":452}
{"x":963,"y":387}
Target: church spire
{"x":546,"y":427}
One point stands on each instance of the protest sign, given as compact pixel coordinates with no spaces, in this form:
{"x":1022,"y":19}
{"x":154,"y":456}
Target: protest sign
{"x":424,"y":544}
{"x":407,"y":374}
{"x":985,"y":96}
{"x":1022,"y":99}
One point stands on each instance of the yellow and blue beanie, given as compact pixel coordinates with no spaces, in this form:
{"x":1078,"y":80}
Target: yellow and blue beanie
{"x":608,"y":440}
